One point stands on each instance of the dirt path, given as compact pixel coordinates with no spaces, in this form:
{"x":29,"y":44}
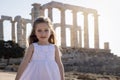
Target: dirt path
{"x":7,"y":75}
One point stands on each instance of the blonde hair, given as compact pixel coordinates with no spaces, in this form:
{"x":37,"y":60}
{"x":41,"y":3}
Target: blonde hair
{"x":41,"y":19}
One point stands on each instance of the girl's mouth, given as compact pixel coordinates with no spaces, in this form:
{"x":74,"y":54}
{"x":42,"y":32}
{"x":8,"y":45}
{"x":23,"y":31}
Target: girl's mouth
{"x":42,"y":37}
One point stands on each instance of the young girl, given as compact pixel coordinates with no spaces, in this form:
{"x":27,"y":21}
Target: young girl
{"x":42,"y":60}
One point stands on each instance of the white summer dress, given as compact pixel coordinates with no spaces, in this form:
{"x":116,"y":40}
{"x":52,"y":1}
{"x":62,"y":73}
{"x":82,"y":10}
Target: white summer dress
{"x":42,"y":65}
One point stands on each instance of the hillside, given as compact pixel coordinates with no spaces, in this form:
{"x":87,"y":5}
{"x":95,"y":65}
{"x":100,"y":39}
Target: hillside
{"x":90,"y":61}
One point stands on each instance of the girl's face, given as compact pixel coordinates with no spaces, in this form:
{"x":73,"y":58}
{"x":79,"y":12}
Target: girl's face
{"x":42,"y":32}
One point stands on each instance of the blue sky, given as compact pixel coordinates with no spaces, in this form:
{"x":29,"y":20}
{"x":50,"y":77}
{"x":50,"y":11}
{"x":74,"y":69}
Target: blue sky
{"x":109,"y":19}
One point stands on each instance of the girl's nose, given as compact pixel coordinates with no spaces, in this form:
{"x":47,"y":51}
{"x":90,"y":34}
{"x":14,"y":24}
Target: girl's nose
{"x":43,"y":33}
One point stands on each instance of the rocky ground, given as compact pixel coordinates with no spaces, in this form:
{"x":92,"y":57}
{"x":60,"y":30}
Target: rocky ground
{"x":89,"y":76}
{"x":91,"y":61}
{"x":68,"y":76}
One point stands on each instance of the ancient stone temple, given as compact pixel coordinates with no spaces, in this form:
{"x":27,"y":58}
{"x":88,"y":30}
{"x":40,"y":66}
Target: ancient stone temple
{"x":75,"y":30}
{"x":21,"y":28}
{"x":38,"y":10}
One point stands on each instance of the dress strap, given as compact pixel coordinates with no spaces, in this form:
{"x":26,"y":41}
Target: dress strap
{"x":34,"y":44}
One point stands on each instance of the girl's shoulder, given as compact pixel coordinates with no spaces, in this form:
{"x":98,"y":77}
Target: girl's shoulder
{"x":56,"y":47}
{"x":31,"y":47}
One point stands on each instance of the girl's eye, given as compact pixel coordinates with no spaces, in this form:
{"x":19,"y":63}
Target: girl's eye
{"x":39,"y":30}
{"x":46,"y":30}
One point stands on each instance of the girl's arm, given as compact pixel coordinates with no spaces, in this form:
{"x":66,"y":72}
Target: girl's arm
{"x":25,"y":61}
{"x":59,"y":62}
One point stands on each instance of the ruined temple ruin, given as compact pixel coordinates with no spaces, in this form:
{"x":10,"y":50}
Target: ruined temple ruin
{"x":79,"y":56}
{"x":21,"y":28}
{"x":75,"y":30}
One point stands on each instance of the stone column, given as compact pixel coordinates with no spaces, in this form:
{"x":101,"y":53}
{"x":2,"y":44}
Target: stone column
{"x":72,"y":36}
{"x":50,"y":13}
{"x":24,"y":35}
{"x":41,"y":11}
{"x":86,"y":33}
{"x":35,"y":11}
{"x":106,"y":45}
{"x":32,"y":15}
{"x":13,"y":31}
{"x":1,"y":30}
{"x":74,"y":30}
{"x":80,"y":38}
{"x":63,"y":29}
{"x":19,"y":32}
{"x":96,"y":32}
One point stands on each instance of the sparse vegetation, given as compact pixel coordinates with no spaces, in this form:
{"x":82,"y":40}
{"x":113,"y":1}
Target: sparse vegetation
{"x":10,"y":49}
